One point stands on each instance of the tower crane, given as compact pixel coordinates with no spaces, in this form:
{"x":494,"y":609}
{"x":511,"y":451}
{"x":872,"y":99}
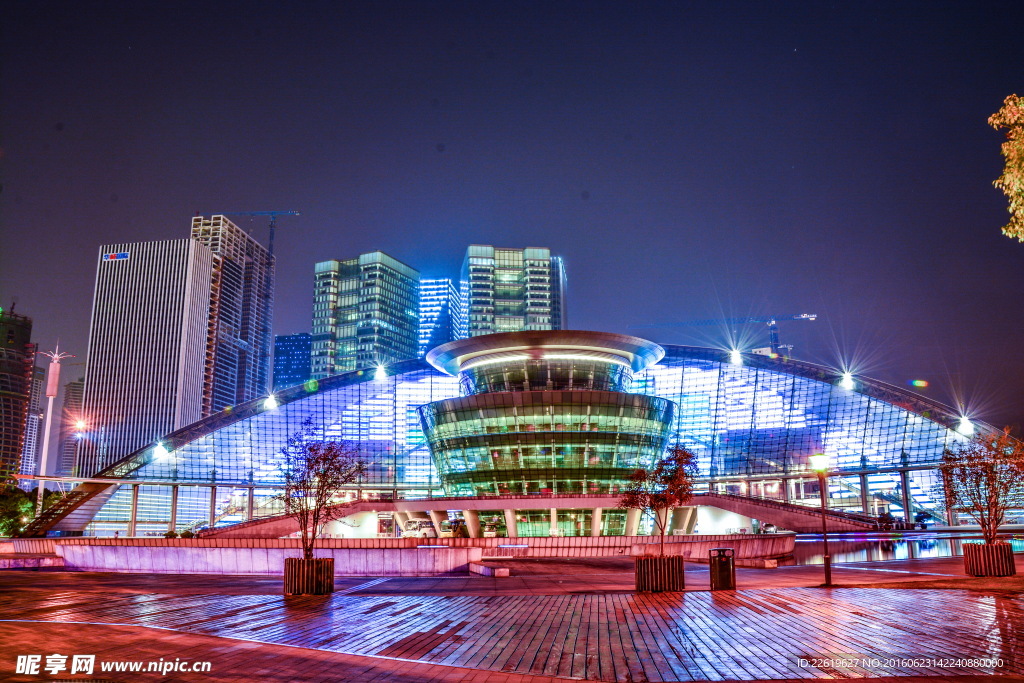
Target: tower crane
{"x":772,"y":321}
{"x":273,"y":221}
{"x":267,"y":345}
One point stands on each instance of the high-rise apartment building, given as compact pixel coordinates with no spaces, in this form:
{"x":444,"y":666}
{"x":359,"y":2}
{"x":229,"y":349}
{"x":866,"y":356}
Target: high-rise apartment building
{"x":242,"y":308}
{"x":365,"y":313}
{"x":72,"y":424}
{"x":292,"y":359}
{"x":440,"y":314}
{"x":33,"y":425}
{"x":17,"y":359}
{"x":510,"y":290}
{"x":152,"y":341}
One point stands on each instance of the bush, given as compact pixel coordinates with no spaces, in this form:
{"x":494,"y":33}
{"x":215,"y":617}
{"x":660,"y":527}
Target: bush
{"x":171,"y":534}
{"x":187,"y":534}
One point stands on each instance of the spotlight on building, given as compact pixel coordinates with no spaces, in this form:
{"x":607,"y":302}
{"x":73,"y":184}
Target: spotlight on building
{"x":381,"y":373}
{"x":270,"y":403}
{"x":735,"y":357}
{"x":847,"y":382}
{"x":160,"y":452}
{"x":966,"y":427}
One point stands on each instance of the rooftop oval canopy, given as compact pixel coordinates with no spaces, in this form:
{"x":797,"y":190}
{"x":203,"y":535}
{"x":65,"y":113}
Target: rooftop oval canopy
{"x":632,"y":352}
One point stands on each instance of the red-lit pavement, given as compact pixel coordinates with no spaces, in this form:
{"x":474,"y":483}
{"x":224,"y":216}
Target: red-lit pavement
{"x":390,"y":630}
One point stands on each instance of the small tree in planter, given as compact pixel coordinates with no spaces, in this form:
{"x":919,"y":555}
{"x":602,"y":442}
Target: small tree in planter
{"x":656,"y":491}
{"x":314,"y":471}
{"x":984,"y":477}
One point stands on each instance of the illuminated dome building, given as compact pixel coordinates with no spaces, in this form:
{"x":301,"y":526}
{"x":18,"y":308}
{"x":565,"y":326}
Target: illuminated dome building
{"x":545,"y":412}
{"x":542,"y":414}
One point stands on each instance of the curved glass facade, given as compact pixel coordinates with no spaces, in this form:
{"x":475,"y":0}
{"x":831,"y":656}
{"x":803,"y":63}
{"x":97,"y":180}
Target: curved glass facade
{"x":544,"y":441}
{"x":545,"y":375}
{"x":752,"y":426}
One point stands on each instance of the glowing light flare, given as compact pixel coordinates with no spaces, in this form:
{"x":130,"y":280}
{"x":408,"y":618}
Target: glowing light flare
{"x":735,"y":357}
{"x":966,"y":427}
{"x":380,"y":373}
{"x":819,"y":462}
{"x":919,"y":383}
{"x":79,"y":425}
{"x":846,"y":382}
{"x":160,"y":451}
{"x":271,"y":403}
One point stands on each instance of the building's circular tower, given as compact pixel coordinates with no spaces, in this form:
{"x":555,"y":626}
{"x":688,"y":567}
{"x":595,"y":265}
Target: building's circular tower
{"x":545,"y":412}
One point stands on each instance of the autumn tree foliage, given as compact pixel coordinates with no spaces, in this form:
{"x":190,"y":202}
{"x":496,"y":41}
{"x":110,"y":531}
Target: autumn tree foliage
{"x":668,"y":485}
{"x":1011,"y":182}
{"x":984,"y":477}
{"x":315,"y":471}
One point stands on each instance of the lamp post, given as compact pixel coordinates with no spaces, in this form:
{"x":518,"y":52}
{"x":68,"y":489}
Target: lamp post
{"x":820,"y":464}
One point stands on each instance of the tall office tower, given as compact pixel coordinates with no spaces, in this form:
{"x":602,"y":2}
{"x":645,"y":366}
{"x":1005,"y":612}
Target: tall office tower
{"x":150,"y":365}
{"x":292,"y":359}
{"x":509,"y":290}
{"x":72,"y":424}
{"x":440,"y":314}
{"x":17,"y":358}
{"x":243,"y":298}
{"x":33,"y":426}
{"x":365,"y":313}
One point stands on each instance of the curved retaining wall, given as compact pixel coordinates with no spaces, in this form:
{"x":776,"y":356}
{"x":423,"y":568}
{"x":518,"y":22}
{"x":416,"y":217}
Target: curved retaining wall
{"x":179,"y":558}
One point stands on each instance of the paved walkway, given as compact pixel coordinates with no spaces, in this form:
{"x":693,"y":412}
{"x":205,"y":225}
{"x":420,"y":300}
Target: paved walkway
{"x":481,"y":629}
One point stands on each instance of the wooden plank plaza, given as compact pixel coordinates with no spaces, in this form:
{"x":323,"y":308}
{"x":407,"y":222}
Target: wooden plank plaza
{"x":414,"y":629}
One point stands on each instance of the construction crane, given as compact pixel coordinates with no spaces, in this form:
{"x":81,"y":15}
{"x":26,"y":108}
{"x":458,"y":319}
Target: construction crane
{"x":273,"y":221}
{"x":266,"y":357}
{"x":772,"y":321}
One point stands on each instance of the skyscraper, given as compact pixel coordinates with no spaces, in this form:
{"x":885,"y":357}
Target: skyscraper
{"x":242,"y":308}
{"x":17,"y":358}
{"x":365,"y":313}
{"x":440,"y":314}
{"x":292,"y":359}
{"x":70,"y":428}
{"x":510,"y":290}
{"x":33,"y":425}
{"x":151,"y":359}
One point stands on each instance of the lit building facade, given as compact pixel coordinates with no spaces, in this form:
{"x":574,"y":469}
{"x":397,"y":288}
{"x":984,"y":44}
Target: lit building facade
{"x":752,"y":421}
{"x":365,"y":314}
{"x":150,"y":365}
{"x":242,"y":300}
{"x":72,"y":425}
{"x":545,"y":412}
{"x":440,"y":314}
{"x":17,"y":360}
{"x":292,"y":359}
{"x":510,"y":290}
{"x":34,"y":425}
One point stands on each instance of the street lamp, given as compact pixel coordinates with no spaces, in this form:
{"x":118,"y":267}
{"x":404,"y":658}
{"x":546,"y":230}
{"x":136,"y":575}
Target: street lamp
{"x":820,"y":464}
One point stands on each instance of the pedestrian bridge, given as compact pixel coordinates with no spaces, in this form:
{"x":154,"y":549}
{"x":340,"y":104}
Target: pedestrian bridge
{"x":785,"y":516}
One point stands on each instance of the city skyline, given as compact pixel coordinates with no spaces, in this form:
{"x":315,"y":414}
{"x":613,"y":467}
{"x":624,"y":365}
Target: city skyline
{"x":752,"y":161}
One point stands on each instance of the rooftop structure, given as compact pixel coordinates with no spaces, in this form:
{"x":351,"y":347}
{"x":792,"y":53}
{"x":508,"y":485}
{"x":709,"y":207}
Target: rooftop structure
{"x":509,"y":290}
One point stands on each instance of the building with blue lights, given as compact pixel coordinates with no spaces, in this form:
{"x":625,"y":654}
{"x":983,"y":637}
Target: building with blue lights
{"x":528,"y":421}
{"x":440,"y":314}
{"x":292,"y":359}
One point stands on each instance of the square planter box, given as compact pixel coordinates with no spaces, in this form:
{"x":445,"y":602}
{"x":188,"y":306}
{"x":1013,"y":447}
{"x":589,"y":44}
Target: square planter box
{"x":994,"y":559}
{"x":308,"y":577}
{"x":656,"y":574}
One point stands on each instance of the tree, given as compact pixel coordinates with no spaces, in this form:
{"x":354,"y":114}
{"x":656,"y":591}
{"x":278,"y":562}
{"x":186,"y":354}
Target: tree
{"x":1011,"y":182}
{"x":315,"y":472}
{"x":984,"y":477}
{"x":18,"y":508}
{"x":668,"y":485}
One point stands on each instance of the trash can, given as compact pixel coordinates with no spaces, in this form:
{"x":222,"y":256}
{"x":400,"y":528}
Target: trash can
{"x":723,"y":569}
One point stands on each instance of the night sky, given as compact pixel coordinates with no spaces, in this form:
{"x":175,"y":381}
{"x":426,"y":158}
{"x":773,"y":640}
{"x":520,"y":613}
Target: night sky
{"x":688,"y":160}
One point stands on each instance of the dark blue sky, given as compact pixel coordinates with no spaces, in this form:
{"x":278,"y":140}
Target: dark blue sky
{"x":689,"y":160}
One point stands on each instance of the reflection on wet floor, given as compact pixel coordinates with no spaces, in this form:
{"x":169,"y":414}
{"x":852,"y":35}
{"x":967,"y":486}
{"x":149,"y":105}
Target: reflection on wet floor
{"x":885,"y":547}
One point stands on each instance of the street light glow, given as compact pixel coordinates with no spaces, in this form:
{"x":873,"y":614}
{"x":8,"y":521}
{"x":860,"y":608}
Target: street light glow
{"x":819,"y":462}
